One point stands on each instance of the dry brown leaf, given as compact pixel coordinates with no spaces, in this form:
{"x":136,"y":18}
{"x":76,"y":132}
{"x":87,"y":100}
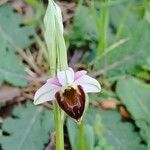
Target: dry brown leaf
{"x":109,"y":104}
{"x":51,"y":145}
{"x":1,"y":120}
{"x":75,"y":58}
{"x":68,"y":11}
{"x":1,"y":133}
{"x":7,"y":94}
{"x":124,"y":113}
{"x":2,"y":2}
{"x":21,"y":7}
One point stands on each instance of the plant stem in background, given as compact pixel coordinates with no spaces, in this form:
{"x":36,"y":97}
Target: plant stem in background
{"x":123,"y":21}
{"x":103,"y":25}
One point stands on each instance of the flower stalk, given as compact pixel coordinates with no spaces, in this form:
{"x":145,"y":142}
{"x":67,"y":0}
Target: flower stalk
{"x":82,"y":144}
{"x":59,"y":122}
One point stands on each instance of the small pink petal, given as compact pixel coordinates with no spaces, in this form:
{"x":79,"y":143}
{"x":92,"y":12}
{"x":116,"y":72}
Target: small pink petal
{"x":46,"y":93}
{"x":54,"y":81}
{"x":66,"y":77}
{"x":89,"y":84}
{"x":79,"y":74}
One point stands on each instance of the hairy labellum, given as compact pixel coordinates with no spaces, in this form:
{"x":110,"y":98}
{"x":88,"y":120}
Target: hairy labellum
{"x":72,"y":101}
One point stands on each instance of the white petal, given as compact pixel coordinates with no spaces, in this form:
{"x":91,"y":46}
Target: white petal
{"x":89,"y":84}
{"x":66,"y":77}
{"x":46,"y":93}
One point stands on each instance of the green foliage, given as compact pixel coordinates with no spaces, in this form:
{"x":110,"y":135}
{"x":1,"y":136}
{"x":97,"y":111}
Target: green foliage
{"x":124,"y":23}
{"x":28,"y":128}
{"x":73,"y":131}
{"x":146,"y":66}
{"x":11,"y":70}
{"x":84,"y":27}
{"x":136,"y":97}
{"x":12,"y":29}
{"x":100,"y":134}
{"x":127,"y":57}
{"x":14,"y":35}
{"x":112,"y":132}
{"x":125,"y":18}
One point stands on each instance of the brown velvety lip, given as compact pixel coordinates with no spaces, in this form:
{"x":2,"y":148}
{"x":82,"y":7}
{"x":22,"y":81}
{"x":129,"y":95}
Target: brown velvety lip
{"x":72,"y":101}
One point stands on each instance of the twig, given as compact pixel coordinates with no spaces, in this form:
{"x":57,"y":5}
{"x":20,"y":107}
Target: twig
{"x":30,"y":61}
{"x":47,"y":105}
{"x":115,"y":64}
{"x":52,"y":144}
{"x":68,"y":17}
{"x":36,"y":79}
{"x":117,"y":44}
{"x":3,"y":2}
{"x":111,"y":48}
{"x":39,"y":57}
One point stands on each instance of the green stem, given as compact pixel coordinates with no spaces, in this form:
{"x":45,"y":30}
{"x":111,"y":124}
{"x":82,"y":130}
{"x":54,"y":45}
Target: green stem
{"x":59,"y":126}
{"x":104,"y":19}
{"x":59,"y":122}
{"x":58,"y":113}
{"x":82,"y":145}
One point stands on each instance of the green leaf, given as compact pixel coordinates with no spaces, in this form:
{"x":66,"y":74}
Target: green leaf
{"x":143,"y":74}
{"x":28,"y":128}
{"x":136,"y":96}
{"x":14,"y":35}
{"x":125,"y":18}
{"x":73,"y":131}
{"x":11,"y":70}
{"x":127,"y":57}
{"x":105,"y":130}
{"x":112,"y":132}
{"x":84,"y":28}
{"x":12,"y":29}
{"x":146,"y":66}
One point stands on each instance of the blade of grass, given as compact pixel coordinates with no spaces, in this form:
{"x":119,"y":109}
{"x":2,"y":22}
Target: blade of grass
{"x":123,"y":21}
{"x":103,"y":26}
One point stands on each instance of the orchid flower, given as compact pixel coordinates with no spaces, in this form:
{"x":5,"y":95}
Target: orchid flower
{"x":69,"y":89}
